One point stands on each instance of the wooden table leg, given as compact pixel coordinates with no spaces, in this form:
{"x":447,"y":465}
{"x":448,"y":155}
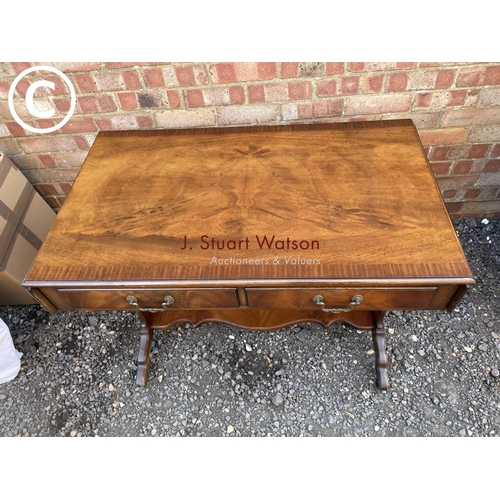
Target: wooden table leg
{"x":144,"y":349}
{"x":379,"y":344}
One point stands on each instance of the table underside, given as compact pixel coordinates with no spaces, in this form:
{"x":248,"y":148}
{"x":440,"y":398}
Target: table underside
{"x":263,"y":320}
{"x":298,"y":308}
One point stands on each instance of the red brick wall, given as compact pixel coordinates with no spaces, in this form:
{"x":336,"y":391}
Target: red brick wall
{"x":455,"y":106}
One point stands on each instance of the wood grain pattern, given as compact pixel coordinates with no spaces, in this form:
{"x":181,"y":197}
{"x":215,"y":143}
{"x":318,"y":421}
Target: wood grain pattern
{"x":261,"y":320}
{"x":373,"y":298}
{"x":115,"y":299}
{"x":363,"y":191}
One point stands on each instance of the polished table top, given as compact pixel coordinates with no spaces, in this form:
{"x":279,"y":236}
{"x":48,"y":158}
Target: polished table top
{"x":339,"y":202}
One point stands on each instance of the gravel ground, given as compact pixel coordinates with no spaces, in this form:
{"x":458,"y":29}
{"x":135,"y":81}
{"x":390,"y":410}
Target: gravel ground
{"x":78,"y":372}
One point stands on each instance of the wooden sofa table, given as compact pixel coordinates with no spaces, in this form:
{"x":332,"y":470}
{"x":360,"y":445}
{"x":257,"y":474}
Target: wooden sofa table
{"x":255,"y":227}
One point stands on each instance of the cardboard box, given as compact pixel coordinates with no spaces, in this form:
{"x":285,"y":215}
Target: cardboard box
{"x":25,"y":220}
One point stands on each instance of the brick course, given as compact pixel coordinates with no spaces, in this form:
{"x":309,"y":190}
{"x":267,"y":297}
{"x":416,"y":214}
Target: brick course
{"x":455,"y":107}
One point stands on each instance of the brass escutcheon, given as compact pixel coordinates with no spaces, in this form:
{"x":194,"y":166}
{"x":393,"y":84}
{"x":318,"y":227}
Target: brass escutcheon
{"x":167,"y":301}
{"x":355,"y":301}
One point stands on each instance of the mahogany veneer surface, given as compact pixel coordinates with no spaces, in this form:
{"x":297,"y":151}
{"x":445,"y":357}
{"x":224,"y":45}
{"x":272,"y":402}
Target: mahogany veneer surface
{"x":358,"y":197}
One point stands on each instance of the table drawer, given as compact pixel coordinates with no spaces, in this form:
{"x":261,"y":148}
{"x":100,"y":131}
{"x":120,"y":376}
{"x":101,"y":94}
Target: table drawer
{"x":340,"y":298}
{"x":157,"y":299}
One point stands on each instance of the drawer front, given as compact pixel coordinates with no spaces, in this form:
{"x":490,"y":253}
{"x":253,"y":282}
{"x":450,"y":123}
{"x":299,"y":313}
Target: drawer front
{"x":381,"y":299}
{"x":180,"y":298}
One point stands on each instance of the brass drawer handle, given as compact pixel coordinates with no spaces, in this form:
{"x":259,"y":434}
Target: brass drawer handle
{"x":355,"y":301}
{"x":167,"y":301}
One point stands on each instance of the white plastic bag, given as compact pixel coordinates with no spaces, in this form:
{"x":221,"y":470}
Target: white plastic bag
{"x":10,"y":358}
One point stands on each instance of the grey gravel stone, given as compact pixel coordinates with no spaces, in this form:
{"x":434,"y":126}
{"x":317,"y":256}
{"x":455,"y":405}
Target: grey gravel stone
{"x":295,"y":381}
{"x":278,"y":399}
{"x":302,"y":334}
